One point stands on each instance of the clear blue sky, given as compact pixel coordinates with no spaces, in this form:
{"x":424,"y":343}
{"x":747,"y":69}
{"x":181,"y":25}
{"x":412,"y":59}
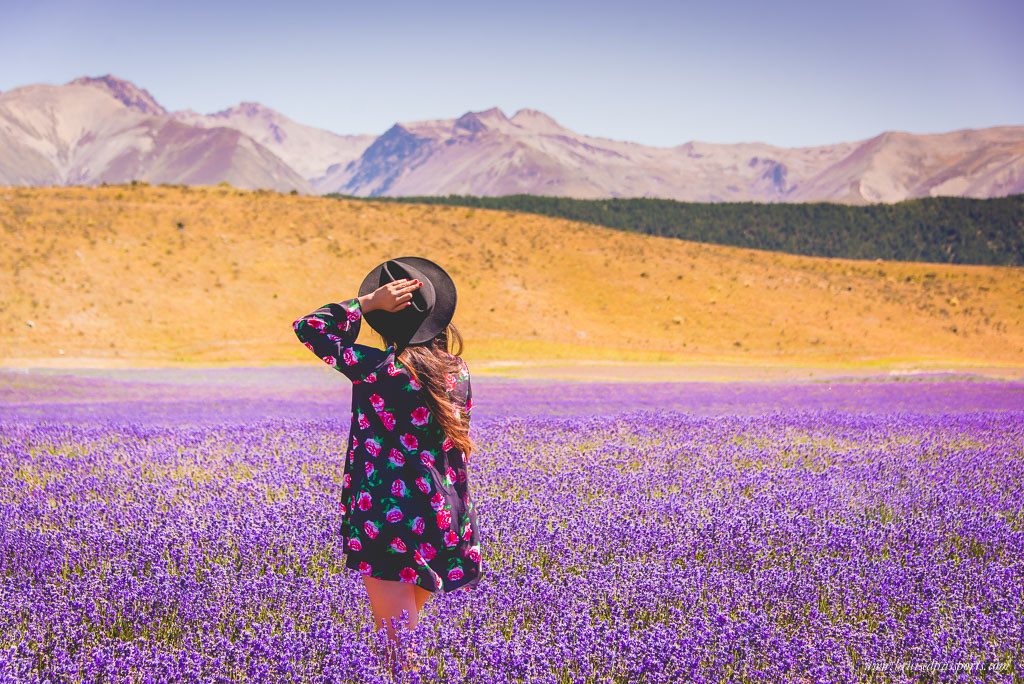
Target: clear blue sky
{"x":658,"y":73}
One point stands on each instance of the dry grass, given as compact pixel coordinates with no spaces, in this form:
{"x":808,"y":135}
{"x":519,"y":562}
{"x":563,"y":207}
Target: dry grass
{"x":217,"y":275}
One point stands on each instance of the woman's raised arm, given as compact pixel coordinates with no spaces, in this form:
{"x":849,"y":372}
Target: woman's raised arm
{"x":330,"y":332}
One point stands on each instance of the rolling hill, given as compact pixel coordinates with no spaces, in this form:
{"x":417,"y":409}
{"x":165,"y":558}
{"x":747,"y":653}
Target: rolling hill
{"x":151,"y":275}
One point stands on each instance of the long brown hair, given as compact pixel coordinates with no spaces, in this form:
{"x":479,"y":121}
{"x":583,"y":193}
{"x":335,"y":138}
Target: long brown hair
{"x":429,"y":363}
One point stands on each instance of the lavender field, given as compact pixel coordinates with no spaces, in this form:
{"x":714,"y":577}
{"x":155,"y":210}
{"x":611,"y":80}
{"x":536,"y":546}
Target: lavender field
{"x":167,"y":528}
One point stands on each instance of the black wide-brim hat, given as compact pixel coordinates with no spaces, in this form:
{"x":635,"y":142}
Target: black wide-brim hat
{"x":433,"y":303}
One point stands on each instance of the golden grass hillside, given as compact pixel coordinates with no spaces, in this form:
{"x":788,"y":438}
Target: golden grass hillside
{"x":164,"y":274}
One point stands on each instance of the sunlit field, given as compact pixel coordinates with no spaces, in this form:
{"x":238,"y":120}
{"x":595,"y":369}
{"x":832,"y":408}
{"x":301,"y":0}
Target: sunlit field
{"x":137,"y":275}
{"x":644,"y":533}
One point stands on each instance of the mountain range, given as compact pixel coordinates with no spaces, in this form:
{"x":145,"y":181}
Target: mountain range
{"x":95,"y":130}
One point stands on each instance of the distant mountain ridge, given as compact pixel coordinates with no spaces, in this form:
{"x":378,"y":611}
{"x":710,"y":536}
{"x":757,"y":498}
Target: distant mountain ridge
{"x":92,"y":131}
{"x":309,"y":151}
{"x":106,"y":129}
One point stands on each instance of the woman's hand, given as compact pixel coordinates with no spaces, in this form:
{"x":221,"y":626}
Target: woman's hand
{"x":393,"y":296}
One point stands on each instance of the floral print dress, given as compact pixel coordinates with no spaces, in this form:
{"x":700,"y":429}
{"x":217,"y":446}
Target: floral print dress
{"x":407,"y":514}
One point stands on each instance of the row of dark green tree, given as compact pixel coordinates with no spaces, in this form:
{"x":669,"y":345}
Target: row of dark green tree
{"x":953,"y":230}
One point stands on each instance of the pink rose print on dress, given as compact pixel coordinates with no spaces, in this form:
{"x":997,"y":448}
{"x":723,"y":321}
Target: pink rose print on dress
{"x":365,"y":567}
{"x":387,"y":419}
{"x":444,"y":519}
{"x":314,"y":322}
{"x":343,"y":511}
{"x":450,"y":475}
{"x":346,"y":481}
{"x":473,"y":553}
{"x":447,"y":444}
{"x":355,"y":442}
{"x":396,"y":457}
{"x":408,"y":442}
{"x":364,"y":422}
{"x":427,"y":458}
{"x":398,"y":488}
{"x":420,"y":416}
{"x":418,"y":557}
{"x":468,"y":532}
{"x":394,"y":515}
{"x":455,"y":574}
{"x":330,"y":361}
{"x":350,"y":357}
{"x":353,"y":314}
{"x":370,"y":529}
{"x":376,"y":402}
{"x":418,"y":526}
{"x":414,"y":384}
{"x":355,"y":544}
{"x":309,"y":347}
{"x":427,"y":550}
{"x":392,"y":370}
{"x":370,"y":378}
{"x":450,"y":538}
{"x":369,"y":469}
{"x":372,"y":447}
{"x":423,"y":484}
{"x":469,"y":404}
{"x":461,"y":477}
{"x":365,"y":501}
{"x":407,"y":575}
{"x":449,"y":381}
{"x":437,"y":501}
{"x":437,"y":578}
{"x":332,"y":337}
{"x":398,"y":545}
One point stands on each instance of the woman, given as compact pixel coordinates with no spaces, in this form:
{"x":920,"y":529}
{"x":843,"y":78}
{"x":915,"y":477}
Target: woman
{"x":408,"y":522}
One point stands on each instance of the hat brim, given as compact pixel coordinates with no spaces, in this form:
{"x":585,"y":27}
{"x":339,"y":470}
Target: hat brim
{"x":437,"y":319}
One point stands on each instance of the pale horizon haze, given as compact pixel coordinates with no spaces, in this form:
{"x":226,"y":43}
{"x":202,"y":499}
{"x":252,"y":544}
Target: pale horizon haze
{"x":795,"y":74}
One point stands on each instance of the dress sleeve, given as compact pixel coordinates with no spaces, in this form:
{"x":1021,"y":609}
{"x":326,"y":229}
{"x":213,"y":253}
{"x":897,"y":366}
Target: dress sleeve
{"x":330,"y":332}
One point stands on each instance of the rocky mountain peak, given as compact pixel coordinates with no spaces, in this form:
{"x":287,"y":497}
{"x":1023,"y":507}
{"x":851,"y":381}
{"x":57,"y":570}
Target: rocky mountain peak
{"x":126,"y":92}
{"x":480,"y":121}
{"x":493,"y":113}
{"x":537,"y":121}
{"x":250,"y":110}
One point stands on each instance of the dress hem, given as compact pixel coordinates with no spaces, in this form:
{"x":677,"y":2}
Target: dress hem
{"x":465,"y":582}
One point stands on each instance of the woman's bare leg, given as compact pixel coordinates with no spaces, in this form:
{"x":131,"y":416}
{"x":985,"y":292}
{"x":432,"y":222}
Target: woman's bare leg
{"x":388,"y":599}
{"x":421,"y":597}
